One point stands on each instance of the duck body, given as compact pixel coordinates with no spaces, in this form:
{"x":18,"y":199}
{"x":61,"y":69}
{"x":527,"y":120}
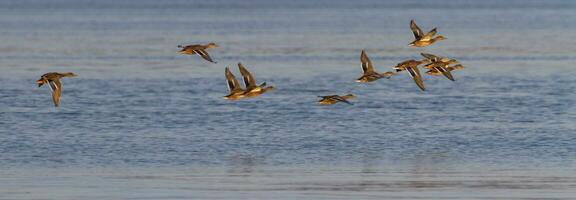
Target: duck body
{"x":424,"y":43}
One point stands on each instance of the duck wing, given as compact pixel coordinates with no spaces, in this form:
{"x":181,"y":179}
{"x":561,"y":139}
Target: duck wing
{"x":430,"y":57}
{"x":416,"y":30}
{"x":366,"y":63}
{"x":233,"y":84}
{"x":56,"y":88}
{"x":415,"y":74}
{"x":249,"y":80}
{"x":204,"y":55}
{"x":445,"y":71}
{"x":341,"y":99}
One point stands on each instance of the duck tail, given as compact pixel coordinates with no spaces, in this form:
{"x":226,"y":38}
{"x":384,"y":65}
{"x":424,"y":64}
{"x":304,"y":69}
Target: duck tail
{"x":263,"y":84}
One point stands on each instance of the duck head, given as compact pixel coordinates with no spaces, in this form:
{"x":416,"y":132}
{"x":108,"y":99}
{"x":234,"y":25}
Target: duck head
{"x":349,"y":96}
{"x":269,"y":88}
{"x":438,"y":38}
{"x":211,"y":45}
{"x":69,"y":74}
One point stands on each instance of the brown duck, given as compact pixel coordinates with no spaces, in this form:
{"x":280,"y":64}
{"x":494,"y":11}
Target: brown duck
{"x":430,"y":58}
{"x":439,"y":68}
{"x":421,"y":39}
{"x":332,"y":99}
{"x":198,"y":49}
{"x":412,"y":67}
{"x":53,"y":80}
{"x":369,"y":74}
{"x":436,"y":72}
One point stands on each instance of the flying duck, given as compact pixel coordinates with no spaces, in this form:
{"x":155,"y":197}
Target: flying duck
{"x":421,"y":39}
{"x":332,"y":99}
{"x":369,"y":74}
{"x":53,"y":80}
{"x":198,"y":49}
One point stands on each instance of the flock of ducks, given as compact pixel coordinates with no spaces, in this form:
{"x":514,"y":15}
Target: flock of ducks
{"x":435,"y":65}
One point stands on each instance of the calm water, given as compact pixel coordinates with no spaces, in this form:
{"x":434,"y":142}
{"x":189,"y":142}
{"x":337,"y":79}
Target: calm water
{"x":142,"y":122}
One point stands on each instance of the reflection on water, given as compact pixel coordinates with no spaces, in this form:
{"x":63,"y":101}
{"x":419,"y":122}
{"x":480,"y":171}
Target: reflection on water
{"x":244,"y":164}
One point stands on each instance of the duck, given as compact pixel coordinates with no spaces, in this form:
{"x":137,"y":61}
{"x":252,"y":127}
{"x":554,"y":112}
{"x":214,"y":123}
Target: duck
{"x":421,"y":39}
{"x":53,"y":81}
{"x":198,"y":49}
{"x":332,"y":99}
{"x":252,"y":89}
{"x":369,"y":74}
{"x":435,"y":72}
{"x":412,"y":67}
{"x":437,"y":68}
{"x":430,"y":58}
{"x":235,"y":89}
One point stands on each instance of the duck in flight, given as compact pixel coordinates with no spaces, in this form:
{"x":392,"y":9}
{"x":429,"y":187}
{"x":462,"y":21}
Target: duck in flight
{"x":198,"y":49}
{"x":421,"y":39}
{"x":53,"y":81}
{"x":412,"y":67}
{"x":235,"y":89}
{"x":437,"y":72}
{"x":430,"y":58}
{"x":332,"y":99}
{"x":252,"y":89}
{"x":437,"y":68}
{"x":369,"y":74}
{"x":438,"y":65}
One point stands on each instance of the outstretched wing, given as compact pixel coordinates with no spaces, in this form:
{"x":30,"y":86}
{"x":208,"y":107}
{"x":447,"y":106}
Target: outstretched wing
{"x":204,"y":55}
{"x":444,"y":70}
{"x":233,"y":84}
{"x":56,"y":88}
{"x":249,"y":81}
{"x":366,"y":63}
{"x":341,"y":99}
{"x":416,"y":30}
{"x":415,"y":74}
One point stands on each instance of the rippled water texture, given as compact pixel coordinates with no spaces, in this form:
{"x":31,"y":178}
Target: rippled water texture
{"x":143,"y":122}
